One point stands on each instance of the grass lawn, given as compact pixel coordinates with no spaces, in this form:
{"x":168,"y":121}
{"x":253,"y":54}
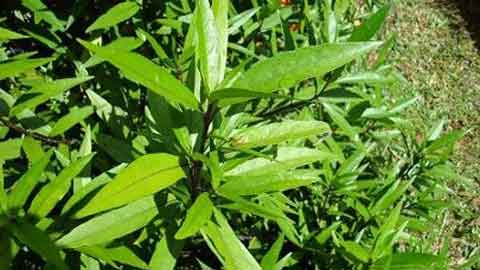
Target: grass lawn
{"x":439,"y":58}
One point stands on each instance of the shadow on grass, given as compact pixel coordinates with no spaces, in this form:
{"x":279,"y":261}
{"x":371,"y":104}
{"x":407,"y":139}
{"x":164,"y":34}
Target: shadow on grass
{"x":470,"y":11}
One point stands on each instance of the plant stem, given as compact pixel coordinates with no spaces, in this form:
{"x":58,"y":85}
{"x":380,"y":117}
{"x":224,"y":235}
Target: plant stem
{"x":36,"y":135}
{"x":197,"y":164}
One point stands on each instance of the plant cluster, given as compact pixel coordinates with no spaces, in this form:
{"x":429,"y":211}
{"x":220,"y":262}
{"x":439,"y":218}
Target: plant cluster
{"x":212,"y":135}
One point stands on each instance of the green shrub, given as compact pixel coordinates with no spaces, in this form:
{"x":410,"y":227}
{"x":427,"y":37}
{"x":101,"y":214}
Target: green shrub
{"x":180,"y":135}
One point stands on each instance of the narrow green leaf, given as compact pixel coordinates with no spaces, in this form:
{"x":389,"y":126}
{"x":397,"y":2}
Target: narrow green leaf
{"x":287,"y":158}
{"x":257,"y":184}
{"x":198,"y":214}
{"x":278,"y":132}
{"x":6,"y":34}
{"x":356,"y":250}
{"x":139,"y":69}
{"x":138,"y":180}
{"x":119,"y":13}
{"x":370,"y":26}
{"x":25,"y":185}
{"x":236,"y":256}
{"x":446,"y":141}
{"x":270,"y":259}
{"x":54,"y":191}
{"x":392,"y":195}
{"x":74,"y":117}
{"x":89,"y":188}
{"x":120,"y":254}
{"x":208,"y":49}
{"x":14,"y":68}
{"x":436,"y":130}
{"x":288,"y":68}
{"x":42,"y":13}
{"x":404,"y":261}
{"x":342,"y":123}
{"x":44,"y":91}
{"x":111,"y":225}
{"x":153,"y":42}
{"x":241,"y":19}
{"x":368,"y":77}
{"x":122,"y":43}
{"x":245,"y":206}
{"x":220,"y":11}
{"x":325,"y":234}
{"x":39,"y":242}
{"x":166,"y":252}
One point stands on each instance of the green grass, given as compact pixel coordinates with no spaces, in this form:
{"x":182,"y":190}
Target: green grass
{"x":438,"y":57}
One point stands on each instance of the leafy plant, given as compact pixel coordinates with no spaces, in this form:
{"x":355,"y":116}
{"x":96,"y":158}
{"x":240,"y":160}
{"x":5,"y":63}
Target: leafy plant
{"x":223,"y":135}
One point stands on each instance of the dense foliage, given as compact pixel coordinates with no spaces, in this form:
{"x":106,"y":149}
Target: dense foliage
{"x":212,"y":135}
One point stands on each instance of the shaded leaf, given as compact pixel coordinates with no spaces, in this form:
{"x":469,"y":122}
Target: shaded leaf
{"x":44,"y":91}
{"x":54,"y":191}
{"x":74,"y":117}
{"x":39,"y":242}
{"x":25,"y":185}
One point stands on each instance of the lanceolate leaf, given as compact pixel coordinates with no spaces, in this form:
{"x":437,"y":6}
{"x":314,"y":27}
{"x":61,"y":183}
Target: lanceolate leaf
{"x":6,"y":34}
{"x":14,"y":68}
{"x":139,"y":69}
{"x":111,"y":225}
{"x":236,"y":256}
{"x":74,"y":117}
{"x":270,"y":259}
{"x":95,"y":184}
{"x":42,"y":92}
{"x":42,"y":13}
{"x":356,"y":250}
{"x":220,"y":11}
{"x":251,"y":185}
{"x":392,"y":194}
{"x":287,"y":158}
{"x":417,"y":261}
{"x":54,"y":191}
{"x":342,"y":123}
{"x":286,"y":69}
{"x":119,"y":254}
{"x":198,"y":214}
{"x":278,"y":132}
{"x":24,"y":186}
{"x":208,"y":44}
{"x":123,"y":43}
{"x":153,"y":42}
{"x":370,"y":26}
{"x":145,"y":176}
{"x":115,"y":15}
{"x":166,"y":252}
